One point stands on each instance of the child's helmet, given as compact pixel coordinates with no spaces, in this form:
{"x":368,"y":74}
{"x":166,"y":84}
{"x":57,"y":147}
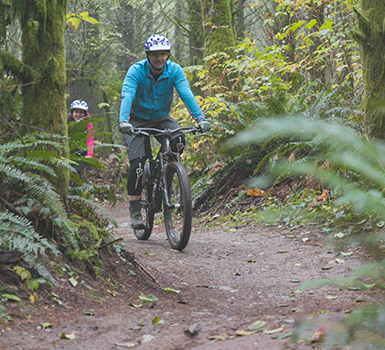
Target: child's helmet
{"x":79,"y":104}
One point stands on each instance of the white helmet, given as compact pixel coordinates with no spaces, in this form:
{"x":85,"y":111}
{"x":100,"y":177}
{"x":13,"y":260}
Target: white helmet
{"x":157,"y":42}
{"x":79,"y":104}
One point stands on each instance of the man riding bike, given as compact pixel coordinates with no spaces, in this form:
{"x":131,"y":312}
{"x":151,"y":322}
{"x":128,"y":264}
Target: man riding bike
{"x":147,"y":95}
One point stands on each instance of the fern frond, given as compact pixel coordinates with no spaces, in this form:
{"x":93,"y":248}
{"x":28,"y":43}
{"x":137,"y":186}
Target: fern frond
{"x":95,"y":211}
{"x":18,"y":233}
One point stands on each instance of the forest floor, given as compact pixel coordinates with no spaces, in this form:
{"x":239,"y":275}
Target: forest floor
{"x":210,"y":296}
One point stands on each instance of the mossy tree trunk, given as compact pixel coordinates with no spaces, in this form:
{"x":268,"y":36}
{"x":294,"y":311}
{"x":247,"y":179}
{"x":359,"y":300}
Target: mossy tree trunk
{"x":217,"y":26}
{"x":239,"y":19}
{"x":370,"y":35}
{"x":196,"y":39}
{"x":42,"y":25}
{"x":218,"y":34}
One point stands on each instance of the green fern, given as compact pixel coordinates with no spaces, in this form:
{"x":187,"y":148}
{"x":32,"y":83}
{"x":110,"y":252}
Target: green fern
{"x":17,"y":233}
{"x":26,"y":196}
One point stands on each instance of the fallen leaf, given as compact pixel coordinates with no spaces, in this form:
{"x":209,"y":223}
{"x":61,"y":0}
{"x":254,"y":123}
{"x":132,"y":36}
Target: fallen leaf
{"x":44,"y":325}
{"x":68,"y":336}
{"x":147,"y":338}
{"x":353,"y":288}
{"x":340,"y":261}
{"x":277,"y":330}
{"x":88,"y":313}
{"x":217,"y":337}
{"x":346,"y":254}
{"x":256,"y":325}
{"x":171,"y":290}
{"x":73,"y":281}
{"x":126,"y":345}
{"x":256,"y":192}
{"x":339,"y":235}
{"x":240,"y":332}
{"x":318,"y":336}
{"x":149,"y":298}
{"x":11,"y":297}
{"x":286,"y":335}
{"x":216,"y":167}
{"x":193,"y":330}
{"x":157,"y":320}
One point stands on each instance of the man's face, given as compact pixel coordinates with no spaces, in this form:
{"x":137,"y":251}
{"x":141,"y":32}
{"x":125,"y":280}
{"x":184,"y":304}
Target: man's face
{"x":158,"y":58}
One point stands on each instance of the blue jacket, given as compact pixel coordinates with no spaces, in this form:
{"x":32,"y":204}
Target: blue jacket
{"x":145,"y":98}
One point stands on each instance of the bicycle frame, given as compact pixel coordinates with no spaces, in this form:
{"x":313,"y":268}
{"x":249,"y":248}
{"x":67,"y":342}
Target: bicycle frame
{"x":166,"y":182}
{"x":163,"y":157}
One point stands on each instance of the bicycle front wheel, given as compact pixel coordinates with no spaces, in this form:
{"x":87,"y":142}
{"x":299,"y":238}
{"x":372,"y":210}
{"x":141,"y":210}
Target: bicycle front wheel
{"x":178,"y":212}
{"x":147,"y":211}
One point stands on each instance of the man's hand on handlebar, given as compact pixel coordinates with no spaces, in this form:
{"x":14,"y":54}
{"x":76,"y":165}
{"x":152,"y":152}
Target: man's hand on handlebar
{"x":204,"y":125}
{"x":126,"y":128}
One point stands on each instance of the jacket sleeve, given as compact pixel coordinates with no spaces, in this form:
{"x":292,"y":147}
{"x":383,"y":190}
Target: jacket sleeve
{"x":129,"y":88}
{"x":185,"y":93}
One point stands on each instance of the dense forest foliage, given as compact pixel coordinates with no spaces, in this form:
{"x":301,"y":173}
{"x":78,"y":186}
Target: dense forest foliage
{"x":294,"y":90}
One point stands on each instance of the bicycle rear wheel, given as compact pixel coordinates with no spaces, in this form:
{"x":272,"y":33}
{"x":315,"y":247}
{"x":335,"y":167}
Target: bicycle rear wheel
{"x":146,"y":206}
{"x":178,"y":216}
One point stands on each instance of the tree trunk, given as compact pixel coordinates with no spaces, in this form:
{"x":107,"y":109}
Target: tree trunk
{"x":370,"y":35}
{"x":44,"y":99}
{"x":149,"y":17}
{"x":218,"y":34}
{"x":239,"y":19}
{"x":196,"y":39}
{"x":178,"y":36}
{"x":127,"y":30}
{"x":217,"y":26}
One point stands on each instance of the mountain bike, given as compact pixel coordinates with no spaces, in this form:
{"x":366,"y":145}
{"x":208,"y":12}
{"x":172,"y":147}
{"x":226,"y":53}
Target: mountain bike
{"x":166,"y":186}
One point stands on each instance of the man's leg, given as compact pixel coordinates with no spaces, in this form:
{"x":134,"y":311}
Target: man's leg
{"x":134,"y":189}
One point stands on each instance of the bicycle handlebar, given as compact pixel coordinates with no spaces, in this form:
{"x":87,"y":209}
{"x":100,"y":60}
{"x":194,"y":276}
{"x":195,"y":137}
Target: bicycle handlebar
{"x":187,"y":129}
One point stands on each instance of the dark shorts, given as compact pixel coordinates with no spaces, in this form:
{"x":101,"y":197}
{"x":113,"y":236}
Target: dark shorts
{"x":139,"y":146}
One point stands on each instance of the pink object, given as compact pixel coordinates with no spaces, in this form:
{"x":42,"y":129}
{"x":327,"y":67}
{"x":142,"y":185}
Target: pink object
{"x":90,"y":140}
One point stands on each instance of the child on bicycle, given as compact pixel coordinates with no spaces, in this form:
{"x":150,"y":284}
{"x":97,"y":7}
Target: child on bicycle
{"x":147,"y":95}
{"x":79,"y":112}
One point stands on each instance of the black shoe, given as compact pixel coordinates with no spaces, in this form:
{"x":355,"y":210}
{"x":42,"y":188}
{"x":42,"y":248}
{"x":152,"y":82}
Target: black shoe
{"x":136,"y":220}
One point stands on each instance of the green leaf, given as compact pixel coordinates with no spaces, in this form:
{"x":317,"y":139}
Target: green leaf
{"x":311,"y":24}
{"x":256,"y":325}
{"x":171,"y":290}
{"x":68,"y":336}
{"x":11,"y":297}
{"x":88,"y":313}
{"x":157,"y":320}
{"x":73,"y":22}
{"x":73,"y":281}
{"x":149,"y":298}
{"x":91,"y":20}
{"x":241,"y":332}
{"x":46,"y":324}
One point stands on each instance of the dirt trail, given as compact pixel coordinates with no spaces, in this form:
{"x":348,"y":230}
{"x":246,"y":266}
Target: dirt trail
{"x":227,"y":279}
